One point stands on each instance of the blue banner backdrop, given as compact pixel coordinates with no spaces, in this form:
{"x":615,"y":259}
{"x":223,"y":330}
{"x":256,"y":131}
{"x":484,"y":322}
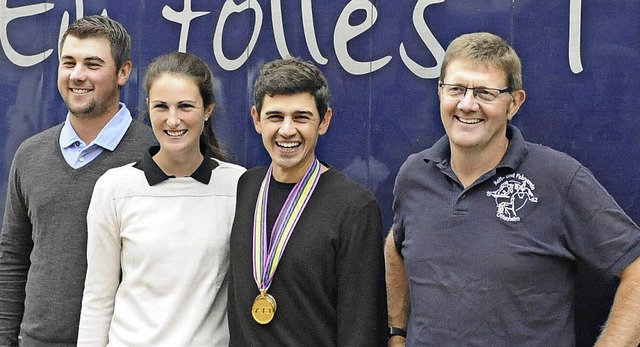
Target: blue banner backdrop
{"x":581,"y":71}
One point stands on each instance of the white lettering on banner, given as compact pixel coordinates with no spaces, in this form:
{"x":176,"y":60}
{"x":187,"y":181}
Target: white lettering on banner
{"x":278,"y":28}
{"x":228,"y":8}
{"x":64,"y":23}
{"x":310,"y":33}
{"x":80,"y":10}
{"x":6,"y":16}
{"x":343,"y":33}
{"x":184,"y":18}
{"x":307,"y":24}
{"x":575,"y":24}
{"x":428,"y":39}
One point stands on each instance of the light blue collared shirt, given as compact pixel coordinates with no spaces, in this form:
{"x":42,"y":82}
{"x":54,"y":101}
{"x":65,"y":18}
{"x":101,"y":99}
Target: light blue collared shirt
{"x":78,"y":154}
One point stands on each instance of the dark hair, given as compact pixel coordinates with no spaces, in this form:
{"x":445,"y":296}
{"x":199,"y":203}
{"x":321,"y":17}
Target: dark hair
{"x":489,"y":49}
{"x":189,"y":65}
{"x":291,"y":76}
{"x":100,"y":26}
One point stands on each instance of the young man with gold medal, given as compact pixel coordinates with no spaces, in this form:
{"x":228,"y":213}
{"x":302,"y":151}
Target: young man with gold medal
{"x":307,"y":265}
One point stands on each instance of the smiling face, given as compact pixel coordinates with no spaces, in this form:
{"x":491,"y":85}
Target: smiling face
{"x":473,"y":126}
{"x":177,"y":116}
{"x":88,"y":80}
{"x":290,"y":127}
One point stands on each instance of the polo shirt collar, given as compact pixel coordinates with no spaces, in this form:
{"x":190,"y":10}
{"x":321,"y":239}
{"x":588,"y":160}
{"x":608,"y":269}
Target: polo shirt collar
{"x":109,"y":136}
{"x":440,"y":152}
{"x":155,"y":175}
{"x":517,"y":150}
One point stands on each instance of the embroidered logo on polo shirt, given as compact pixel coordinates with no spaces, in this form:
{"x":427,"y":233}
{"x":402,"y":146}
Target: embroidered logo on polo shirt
{"x":513,"y":193}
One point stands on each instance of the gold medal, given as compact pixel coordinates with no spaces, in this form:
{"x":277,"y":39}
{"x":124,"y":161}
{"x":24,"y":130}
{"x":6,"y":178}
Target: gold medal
{"x":263,"y":308}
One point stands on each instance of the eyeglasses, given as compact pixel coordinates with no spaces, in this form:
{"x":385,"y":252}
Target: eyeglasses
{"x":481,"y":94}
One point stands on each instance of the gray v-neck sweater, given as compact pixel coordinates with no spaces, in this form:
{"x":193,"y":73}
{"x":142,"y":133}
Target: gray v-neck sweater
{"x":44,"y":236}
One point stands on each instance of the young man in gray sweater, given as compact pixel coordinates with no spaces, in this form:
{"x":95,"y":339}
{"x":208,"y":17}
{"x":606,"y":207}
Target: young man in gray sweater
{"x":43,"y":238}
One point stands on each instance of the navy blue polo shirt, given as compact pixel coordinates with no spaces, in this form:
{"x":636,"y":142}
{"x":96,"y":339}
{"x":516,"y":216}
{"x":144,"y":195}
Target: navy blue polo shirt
{"x":494,"y":264}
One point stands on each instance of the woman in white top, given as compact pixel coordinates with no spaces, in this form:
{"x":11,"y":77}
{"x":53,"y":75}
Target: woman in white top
{"x":158,"y":229}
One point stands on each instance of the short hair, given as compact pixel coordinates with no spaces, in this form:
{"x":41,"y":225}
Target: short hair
{"x":489,"y":49}
{"x":188,"y":65}
{"x":100,"y":26}
{"x":291,"y":76}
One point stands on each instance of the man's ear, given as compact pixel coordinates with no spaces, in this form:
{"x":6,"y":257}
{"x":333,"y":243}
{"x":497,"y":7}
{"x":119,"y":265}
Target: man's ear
{"x":256,"y":119}
{"x":124,"y":72}
{"x":517,"y":100}
{"x":326,"y":120}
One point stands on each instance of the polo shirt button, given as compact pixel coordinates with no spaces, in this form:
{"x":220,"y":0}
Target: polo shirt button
{"x":463,"y":196}
{"x":81,"y":159}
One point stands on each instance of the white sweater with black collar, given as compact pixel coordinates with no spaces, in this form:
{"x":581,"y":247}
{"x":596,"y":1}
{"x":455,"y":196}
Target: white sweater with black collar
{"x":157,"y":260}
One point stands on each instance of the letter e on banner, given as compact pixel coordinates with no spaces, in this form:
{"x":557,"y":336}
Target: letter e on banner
{"x":344,"y":32}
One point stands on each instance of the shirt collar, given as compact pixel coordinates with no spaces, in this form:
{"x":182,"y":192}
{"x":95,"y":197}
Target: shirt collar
{"x":440,"y":152}
{"x":155,"y":175}
{"x":517,"y":150}
{"x":109,"y":136}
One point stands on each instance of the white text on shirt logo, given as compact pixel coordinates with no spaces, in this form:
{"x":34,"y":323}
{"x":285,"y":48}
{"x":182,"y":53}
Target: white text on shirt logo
{"x":513,"y":193}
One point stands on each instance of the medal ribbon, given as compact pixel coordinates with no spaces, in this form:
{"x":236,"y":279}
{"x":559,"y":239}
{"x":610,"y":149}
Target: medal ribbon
{"x":266,"y":257}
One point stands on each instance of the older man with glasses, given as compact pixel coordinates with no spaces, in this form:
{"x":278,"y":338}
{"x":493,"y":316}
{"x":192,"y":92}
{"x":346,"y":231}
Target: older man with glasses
{"x":488,"y":228}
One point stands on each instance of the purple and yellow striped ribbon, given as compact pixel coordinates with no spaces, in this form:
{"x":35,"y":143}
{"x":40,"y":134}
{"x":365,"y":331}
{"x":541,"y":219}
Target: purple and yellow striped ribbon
{"x":267,"y":256}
